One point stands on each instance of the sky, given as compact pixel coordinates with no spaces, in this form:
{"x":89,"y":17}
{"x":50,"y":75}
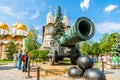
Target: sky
{"x":105,"y":14}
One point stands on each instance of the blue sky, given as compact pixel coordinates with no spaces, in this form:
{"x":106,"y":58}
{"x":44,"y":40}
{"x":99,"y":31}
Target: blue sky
{"x":105,"y":14}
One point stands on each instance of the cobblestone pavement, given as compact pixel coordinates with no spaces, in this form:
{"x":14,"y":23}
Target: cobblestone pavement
{"x":113,"y":74}
{"x":8,"y":72}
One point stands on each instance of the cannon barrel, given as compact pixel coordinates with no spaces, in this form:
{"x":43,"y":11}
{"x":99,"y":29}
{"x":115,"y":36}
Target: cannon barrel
{"x":82,"y":30}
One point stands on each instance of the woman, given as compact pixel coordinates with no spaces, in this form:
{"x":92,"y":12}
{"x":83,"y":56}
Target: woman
{"x":20,"y":60}
{"x":15,"y":55}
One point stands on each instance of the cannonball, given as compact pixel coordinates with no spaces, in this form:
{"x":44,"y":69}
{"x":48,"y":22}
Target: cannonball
{"x":94,"y":74}
{"x":85,"y":62}
{"x":75,"y":72}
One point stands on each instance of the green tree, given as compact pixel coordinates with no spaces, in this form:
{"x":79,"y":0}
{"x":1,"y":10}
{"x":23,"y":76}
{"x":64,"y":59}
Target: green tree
{"x":94,"y":49}
{"x":115,"y":42}
{"x":31,"y":41}
{"x":112,"y":39}
{"x":104,"y":46}
{"x":84,"y":48}
{"x":58,"y":29}
{"x":11,"y":49}
{"x":106,"y":42}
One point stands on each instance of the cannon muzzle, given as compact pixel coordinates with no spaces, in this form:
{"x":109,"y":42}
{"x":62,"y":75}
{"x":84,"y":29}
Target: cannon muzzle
{"x":82,"y":30}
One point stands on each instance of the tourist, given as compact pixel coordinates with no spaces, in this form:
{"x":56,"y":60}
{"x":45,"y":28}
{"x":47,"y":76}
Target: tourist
{"x":15,"y":58}
{"x":115,"y":60}
{"x":26,"y":58}
{"x":108,"y":61}
{"x":99,"y":60}
{"x":19,"y":60}
{"x":94,"y":59}
{"x":119,"y":60}
{"x":104,"y":59}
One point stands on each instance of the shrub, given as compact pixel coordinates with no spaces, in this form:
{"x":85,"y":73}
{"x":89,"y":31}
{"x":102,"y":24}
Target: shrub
{"x":39,"y":54}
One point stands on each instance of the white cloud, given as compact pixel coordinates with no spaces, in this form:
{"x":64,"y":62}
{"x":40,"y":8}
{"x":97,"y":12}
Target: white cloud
{"x":9,"y":11}
{"x":110,"y":7}
{"x":6,"y":10}
{"x":108,"y":27}
{"x":38,"y":27}
{"x":84,"y":4}
{"x":21,"y":14}
{"x":35,"y":15}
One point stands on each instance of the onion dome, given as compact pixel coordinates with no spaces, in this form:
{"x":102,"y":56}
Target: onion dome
{"x":15,"y":25}
{"x":50,"y":17}
{"x":21,"y":27}
{"x":4,"y":26}
{"x":11,"y":34}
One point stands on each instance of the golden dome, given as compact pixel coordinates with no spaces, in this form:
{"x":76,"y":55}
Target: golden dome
{"x":28,"y":33}
{"x":11,"y":33}
{"x":15,"y":25}
{"x":4,"y":26}
{"x":22,"y":27}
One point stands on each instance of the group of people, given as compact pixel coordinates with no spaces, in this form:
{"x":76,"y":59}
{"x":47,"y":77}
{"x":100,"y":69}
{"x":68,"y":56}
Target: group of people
{"x":21,"y":58}
{"x":109,"y":60}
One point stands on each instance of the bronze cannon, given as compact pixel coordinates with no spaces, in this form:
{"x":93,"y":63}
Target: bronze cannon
{"x":82,"y":30}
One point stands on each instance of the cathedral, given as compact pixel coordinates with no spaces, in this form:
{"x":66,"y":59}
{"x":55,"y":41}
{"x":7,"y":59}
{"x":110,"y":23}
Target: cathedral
{"x":17,"y":35}
{"x":48,"y":28}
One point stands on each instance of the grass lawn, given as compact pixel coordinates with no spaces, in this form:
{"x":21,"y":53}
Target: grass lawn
{"x":5,"y":61}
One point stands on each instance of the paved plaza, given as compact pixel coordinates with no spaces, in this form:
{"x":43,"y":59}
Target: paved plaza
{"x":8,"y":72}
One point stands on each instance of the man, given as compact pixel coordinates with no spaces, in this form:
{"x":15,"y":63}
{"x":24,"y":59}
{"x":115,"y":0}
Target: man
{"x":19,"y":60}
{"x":99,"y":60}
{"x":25,"y":60}
{"x":115,"y":60}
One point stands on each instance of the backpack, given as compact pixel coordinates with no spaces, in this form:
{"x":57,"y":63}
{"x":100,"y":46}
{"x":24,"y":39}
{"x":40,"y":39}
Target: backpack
{"x":23,"y":58}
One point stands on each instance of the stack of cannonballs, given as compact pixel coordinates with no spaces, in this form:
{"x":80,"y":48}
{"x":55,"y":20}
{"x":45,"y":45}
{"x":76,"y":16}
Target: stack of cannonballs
{"x":85,"y":69}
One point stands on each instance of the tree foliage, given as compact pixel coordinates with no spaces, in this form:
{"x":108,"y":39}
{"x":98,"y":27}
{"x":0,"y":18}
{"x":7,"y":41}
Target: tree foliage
{"x":102,"y":47}
{"x":84,"y":48}
{"x":116,"y":47}
{"x":42,"y":54}
{"x":11,"y":49}
{"x":31,"y":41}
{"x":58,"y":29}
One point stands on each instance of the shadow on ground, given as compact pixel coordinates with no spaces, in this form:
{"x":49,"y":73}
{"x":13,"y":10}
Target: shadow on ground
{"x":6,"y":67}
{"x":109,"y":72}
{"x":63,"y":63}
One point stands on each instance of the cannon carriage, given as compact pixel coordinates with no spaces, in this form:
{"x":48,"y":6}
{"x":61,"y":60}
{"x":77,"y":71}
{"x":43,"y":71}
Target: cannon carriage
{"x":82,"y":30}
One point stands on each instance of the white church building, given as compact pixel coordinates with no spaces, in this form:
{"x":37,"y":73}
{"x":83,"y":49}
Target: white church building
{"x":48,"y":28}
